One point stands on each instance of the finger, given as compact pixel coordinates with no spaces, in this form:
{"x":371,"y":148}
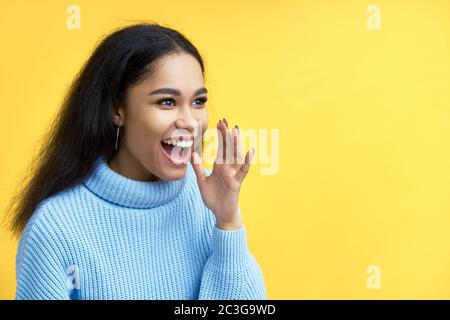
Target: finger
{"x":244,"y":169}
{"x":220,"y":138}
{"x":239,"y":147}
{"x":235,"y":145}
{"x":228,"y":134}
{"x":225,"y":139}
{"x":198,"y":167}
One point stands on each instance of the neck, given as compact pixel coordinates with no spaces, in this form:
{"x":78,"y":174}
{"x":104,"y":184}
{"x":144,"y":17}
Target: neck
{"x":123,"y":191}
{"x":125,"y":164}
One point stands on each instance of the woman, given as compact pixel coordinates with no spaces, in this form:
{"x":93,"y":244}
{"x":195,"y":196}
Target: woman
{"x":119,"y":206}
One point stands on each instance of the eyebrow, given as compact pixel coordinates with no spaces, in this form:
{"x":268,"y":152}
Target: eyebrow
{"x":177,"y":92}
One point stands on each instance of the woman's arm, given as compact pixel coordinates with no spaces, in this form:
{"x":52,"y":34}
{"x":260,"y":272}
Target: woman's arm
{"x":231,"y":272}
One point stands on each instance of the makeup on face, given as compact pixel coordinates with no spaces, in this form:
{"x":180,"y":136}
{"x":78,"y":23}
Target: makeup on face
{"x":163,"y":114}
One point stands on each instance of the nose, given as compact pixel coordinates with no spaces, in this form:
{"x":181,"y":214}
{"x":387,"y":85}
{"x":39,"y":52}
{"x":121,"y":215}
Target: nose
{"x":187,"y":121}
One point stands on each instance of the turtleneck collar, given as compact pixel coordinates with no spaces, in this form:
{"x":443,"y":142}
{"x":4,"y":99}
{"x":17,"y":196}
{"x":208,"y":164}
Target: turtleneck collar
{"x":120,"y":190}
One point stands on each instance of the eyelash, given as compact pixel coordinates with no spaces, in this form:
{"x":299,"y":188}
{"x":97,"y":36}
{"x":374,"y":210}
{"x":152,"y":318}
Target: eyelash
{"x":202,"y":101}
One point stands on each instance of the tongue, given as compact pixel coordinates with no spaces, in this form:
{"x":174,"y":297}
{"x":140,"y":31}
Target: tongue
{"x":177,"y":153}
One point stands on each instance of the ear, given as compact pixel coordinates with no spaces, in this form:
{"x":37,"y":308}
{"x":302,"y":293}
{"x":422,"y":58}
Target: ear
{"x":119,"y":115}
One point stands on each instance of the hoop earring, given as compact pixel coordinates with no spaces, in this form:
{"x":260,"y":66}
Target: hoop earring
{"x":117,"y":138}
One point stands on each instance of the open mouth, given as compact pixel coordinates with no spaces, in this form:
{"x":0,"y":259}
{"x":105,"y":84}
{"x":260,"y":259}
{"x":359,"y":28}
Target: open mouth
{"x":178,"y":152}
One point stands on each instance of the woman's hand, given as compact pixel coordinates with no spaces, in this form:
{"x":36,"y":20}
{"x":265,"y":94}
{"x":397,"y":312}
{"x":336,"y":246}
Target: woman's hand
{"x":220,"y":190}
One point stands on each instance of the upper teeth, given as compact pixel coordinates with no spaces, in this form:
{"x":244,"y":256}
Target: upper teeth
{"x":182,"y":143}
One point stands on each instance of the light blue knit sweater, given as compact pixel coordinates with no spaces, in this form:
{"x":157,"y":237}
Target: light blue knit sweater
{"x":111,"y":237}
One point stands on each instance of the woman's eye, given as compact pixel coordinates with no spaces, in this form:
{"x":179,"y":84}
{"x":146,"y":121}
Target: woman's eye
{"x":162,"y":101}
{"x":171,"y":101}
{"x":201,"y":101}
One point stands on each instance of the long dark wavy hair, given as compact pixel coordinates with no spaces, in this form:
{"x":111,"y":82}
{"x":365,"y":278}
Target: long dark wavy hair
{"x":83,"y":129}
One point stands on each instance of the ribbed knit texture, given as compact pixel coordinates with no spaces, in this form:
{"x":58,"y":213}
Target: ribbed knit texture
{"x":111,"y":237}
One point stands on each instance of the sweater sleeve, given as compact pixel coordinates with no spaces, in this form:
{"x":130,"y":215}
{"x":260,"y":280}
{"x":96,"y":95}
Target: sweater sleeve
{"x":39,"y":269}
{"x":231,"y":271}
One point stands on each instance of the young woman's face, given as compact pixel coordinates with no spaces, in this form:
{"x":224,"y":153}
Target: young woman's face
{"x":170,"y":103}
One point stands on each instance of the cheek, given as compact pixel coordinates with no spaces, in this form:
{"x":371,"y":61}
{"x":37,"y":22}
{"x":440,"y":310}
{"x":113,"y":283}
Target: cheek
{"x":145,"y":130}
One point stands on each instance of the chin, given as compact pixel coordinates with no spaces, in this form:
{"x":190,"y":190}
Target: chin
{"x":171,"y":174}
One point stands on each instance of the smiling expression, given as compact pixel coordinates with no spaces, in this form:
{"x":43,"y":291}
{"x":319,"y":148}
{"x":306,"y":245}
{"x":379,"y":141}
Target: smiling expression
{"x":168,"y":104}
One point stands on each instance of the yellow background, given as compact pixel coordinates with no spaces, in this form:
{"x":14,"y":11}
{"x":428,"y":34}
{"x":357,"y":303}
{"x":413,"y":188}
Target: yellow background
{"x":364,"y":120}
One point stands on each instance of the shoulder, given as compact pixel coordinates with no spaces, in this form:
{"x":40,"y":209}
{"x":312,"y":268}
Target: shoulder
{"x":56,"y":209}
{"x":39,"y":237}
{"x":50,"y":224}
{"x":41,"y":256}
